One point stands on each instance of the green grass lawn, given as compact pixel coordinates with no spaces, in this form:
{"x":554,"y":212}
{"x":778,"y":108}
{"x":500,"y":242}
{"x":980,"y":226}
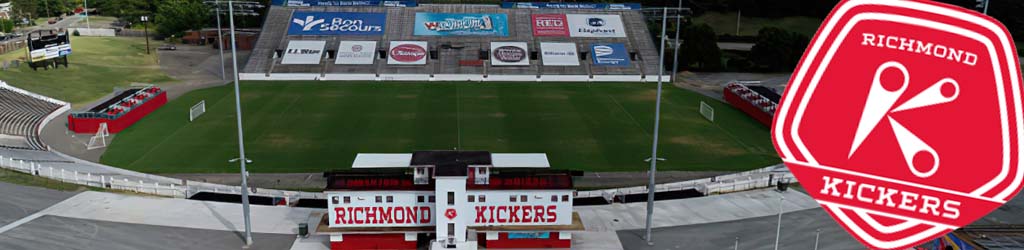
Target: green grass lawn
{"x":725,"y":23}
{"x":96,"y":66}
{"x":313,"y":127}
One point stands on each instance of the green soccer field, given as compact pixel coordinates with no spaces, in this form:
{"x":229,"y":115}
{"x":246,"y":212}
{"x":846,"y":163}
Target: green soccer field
{"x":315,"y":126}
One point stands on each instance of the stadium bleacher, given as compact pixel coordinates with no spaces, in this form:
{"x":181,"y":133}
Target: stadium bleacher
{"x":451,"y":57}
{"x":21,"y":115}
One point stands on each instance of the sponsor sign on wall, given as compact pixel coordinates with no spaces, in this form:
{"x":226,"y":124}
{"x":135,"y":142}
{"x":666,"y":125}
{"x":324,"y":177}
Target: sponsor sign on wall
{"x":610,"y":54}
{"x":559,"y":54}
{"x":509,"y":54}
{"x":407,"y":53}
{"x":463,"y":24}
{"x":356,"y":52}
{"x":595,"y":25}
{"x":337,"y":23}
{"x":303,"y":52}
{"x":549,"y":25}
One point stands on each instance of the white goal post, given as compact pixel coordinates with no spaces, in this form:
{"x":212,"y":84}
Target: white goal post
{"x":100,"y":139}
{"x":707,"y":111}
{"x":197,"y":110}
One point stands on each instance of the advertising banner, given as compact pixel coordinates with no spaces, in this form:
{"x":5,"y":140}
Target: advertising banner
{"x":462,"y":24}
{"x":595,"y":25}
{"x":549,"y":25}
{"x":578,"y":6}
{"x":610,"y":54}
{"x":307,"y":3}
{"x":356,"y":52}
{"x":337,"y":23}
{"x":407,"y":53}
{"x":57,"y":50}
{"x":509,"y":54}
{"x":303,"y":52}
{"x":559,"y":54}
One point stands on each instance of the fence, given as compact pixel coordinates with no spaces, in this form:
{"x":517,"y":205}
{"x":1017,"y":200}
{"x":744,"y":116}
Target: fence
{"x":753,"y":179}
{"x":12,"y":45}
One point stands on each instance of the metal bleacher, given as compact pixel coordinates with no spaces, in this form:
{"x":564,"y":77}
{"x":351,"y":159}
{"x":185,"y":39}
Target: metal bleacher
{"x":452,"y":49}
{"x":20,"y":118}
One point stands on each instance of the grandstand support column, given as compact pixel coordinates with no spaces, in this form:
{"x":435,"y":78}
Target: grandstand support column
{"x":241,"y":141}
{"x":657,"y":119}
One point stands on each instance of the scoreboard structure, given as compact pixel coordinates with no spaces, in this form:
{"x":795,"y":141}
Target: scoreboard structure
{"x":48,"y":48}
{"x":450,"y":200}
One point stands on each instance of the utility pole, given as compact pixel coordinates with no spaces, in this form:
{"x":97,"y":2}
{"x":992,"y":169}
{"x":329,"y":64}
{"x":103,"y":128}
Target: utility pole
{"x":986,"y":8}
{"x":241,"y":141}
{"x":87,"y":26}
{"x":657,"y":119}
{"x":739,"y":12}
{"x":778,"y":230}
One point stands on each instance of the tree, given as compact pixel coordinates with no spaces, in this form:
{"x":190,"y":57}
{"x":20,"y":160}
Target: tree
{"x":23,"y":9}
{"x":778,"y":49}
{"x":6,"y":25}
{"x":127,"y":10}
{"x":174,"y":17}
{"x":700,"y":48}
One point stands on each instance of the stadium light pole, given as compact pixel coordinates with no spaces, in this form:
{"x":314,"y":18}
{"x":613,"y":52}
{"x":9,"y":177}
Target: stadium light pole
{"x":220,"y":45}
{"x":241,"y":140}
{"x":657,"y":119}
{"x":985,"y":11}
{"x":675,"y":55}
{"x":778,"y":230}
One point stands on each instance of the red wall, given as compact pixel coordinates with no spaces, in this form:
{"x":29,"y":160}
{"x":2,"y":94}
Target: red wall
{"x":91,"y":125}
{"x":372,"y":241}
{"x":504,"y":242}
{"x":748,"y":108}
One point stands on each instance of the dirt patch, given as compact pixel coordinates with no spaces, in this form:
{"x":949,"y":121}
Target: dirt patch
{"x":498,"y":115}
{"x":710,"y":146}
{"x":280,"y":140}
{"x":487,"y":96}
{"x":407,"y":96}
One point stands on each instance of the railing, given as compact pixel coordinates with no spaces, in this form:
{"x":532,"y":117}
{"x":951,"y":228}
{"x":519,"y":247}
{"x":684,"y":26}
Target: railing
{"x":88,"y":179}
{"x":748,"y":180}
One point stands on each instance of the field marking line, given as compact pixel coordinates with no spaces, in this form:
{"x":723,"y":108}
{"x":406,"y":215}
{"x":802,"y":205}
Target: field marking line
{"x":275,"y":121}
{"x":176,"y":131}
{"x":630,"y":115}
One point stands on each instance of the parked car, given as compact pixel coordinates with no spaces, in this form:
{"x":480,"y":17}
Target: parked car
{"x":167,"y":46}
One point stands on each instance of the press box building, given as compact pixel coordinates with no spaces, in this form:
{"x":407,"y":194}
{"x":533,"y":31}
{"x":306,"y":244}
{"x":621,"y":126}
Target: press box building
{"x":450,"y":200}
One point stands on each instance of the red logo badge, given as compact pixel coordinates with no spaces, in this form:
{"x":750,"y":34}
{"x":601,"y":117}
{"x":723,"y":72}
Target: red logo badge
{"x":408,"y":53}
{"x":450,"y":213}
{"x":549,"y":25}
{"x":903,"y":119}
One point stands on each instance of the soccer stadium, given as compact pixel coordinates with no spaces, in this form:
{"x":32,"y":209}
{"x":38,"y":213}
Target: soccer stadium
{"x":369,"y":124}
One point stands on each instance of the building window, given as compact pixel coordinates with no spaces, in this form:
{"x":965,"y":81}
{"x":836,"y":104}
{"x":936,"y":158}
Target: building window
{"x":511,"y":198}
{"x":348,"y":200}
{"x":391,"y":199}
{"x":451,"y":198}
{"x":420,"y":199}
{"x":378,"y":199}
{"x":471,"y":198}
{"x":482,"y":198}
{"x":451,"y":230}
{"x":554,"y":198}
{"x":431,"y":199}
{"x":522,"y":198}
{"x":334,"y":200}
{"x":565,"y":198}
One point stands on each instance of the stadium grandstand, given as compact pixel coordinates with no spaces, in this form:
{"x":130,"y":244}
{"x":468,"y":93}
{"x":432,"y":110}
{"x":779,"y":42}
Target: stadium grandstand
{"x":22,"y":115}
{"x":454,"y":56}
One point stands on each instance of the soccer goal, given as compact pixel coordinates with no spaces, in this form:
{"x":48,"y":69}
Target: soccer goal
{"x":197,"y":110}
{"x":707,"y":111}
{"x":100,"y":139}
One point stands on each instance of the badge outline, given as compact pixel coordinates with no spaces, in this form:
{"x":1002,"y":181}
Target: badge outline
{"x":826,"y":48}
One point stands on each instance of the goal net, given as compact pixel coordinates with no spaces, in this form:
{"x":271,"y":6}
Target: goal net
{"x":100,"y":139}
{"x":197,"y":110}
{"x":707,"y":111}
